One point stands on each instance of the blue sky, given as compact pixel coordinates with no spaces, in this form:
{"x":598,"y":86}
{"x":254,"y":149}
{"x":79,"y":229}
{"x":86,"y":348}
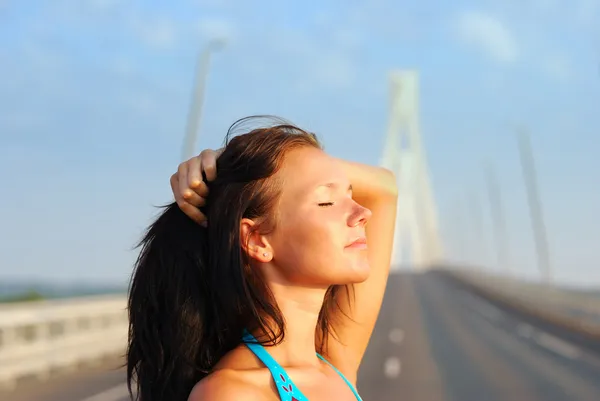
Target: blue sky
{"x":95,"y":94}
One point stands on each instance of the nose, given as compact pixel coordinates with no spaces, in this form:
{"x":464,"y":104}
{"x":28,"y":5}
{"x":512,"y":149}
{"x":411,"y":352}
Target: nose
{"x":360,"y":216}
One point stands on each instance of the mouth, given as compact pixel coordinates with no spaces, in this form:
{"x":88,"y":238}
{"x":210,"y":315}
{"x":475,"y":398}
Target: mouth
{"x":358,"y":243}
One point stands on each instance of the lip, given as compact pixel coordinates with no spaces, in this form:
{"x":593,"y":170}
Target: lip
{"x":358,"y":243}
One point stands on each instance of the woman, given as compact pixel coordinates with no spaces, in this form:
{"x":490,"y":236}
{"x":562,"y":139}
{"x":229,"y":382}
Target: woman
{"x":257,"y":284}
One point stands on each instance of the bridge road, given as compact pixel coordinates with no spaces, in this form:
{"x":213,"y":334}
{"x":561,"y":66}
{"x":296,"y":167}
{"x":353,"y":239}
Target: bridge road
{"x":455,"y":346}
{"x":433,"y":342}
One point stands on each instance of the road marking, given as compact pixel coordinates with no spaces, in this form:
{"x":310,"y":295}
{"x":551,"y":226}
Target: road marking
{"x":396,"y":336}
{"x":557,"y":345}
{"x":538,"y":361}
{"x":392,"y":367}
{"x":525,"y":330}
{"x":112,"y":394}
{"x":549,"y":342}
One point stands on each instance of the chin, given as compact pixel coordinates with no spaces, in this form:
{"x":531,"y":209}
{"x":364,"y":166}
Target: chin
{"x":364,"y":273}
{"x":358,"y":272}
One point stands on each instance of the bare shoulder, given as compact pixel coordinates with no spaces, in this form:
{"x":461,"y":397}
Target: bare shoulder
{"x":225,"y":385}
{"x":238,"y":375}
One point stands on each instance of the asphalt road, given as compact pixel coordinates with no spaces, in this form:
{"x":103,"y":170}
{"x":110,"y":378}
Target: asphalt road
{"x":455,"y":346}
{"x":433,"y":342}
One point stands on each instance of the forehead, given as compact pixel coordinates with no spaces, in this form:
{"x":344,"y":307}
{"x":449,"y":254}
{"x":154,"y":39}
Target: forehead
{"x":306,"y":168}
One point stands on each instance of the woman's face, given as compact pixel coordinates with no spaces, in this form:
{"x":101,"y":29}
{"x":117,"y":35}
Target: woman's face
{"x":319,"y":237}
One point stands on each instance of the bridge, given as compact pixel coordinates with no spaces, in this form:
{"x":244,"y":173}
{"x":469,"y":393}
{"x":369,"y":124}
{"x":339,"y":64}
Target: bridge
{"x":445,"y":332}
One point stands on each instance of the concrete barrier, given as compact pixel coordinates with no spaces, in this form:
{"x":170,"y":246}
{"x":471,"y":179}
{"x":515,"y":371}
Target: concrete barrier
{"x":541,"y":311}
{"x":39,"y":337}
{"x":575,"y":304}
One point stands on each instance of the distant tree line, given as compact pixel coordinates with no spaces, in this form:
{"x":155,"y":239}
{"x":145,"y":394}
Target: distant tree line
{"x":27,"y":296}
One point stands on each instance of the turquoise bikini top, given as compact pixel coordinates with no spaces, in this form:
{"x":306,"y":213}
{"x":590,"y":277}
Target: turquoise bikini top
{"x":287,"y":390}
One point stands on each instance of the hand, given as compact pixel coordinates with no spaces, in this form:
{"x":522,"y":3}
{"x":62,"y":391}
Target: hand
{"x":188,"y":187}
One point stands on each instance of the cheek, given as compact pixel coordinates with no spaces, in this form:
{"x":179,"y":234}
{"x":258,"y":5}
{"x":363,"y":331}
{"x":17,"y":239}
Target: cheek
{"x":302,"y":235}
{"x":307,"y":239}
{"x":318,"y":229}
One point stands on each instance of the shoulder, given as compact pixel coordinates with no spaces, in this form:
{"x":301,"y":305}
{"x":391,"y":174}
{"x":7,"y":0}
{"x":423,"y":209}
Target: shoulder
{"x":225,"y":385}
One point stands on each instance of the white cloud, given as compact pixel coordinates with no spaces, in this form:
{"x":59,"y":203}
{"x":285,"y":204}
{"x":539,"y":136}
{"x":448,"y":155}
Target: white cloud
{"x":556,"y":38}
{"x":490,"y":35}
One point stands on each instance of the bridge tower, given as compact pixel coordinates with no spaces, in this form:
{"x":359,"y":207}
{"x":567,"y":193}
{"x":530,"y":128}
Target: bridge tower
{"x":416,"y":220}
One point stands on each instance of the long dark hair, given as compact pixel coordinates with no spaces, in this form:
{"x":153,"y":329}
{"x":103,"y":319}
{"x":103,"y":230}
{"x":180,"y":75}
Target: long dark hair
{"x":192,"y":291}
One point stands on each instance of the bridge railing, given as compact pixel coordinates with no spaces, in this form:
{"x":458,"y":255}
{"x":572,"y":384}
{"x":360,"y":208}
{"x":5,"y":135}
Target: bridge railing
{"x":575,"y":304}
{"x":572,"y":314}
{"x":39,"y":337}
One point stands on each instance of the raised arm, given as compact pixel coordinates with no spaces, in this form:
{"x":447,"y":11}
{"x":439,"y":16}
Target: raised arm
{"x":374,"y":188}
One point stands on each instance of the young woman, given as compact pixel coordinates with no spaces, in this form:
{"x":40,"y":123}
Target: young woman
{"x":265,"y":278}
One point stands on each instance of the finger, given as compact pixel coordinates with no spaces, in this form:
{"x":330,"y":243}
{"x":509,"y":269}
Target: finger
{"x":209,"y":164}
{"x":195,"y":181}
{"x":192,"y":212}
{"x":201,"y":190}
{"x":194,"y":173}
{"x":182,"y":172}
{"x":195,"y":199}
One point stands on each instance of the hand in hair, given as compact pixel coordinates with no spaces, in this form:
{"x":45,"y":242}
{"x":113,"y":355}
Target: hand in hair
{"x":189,"y":186}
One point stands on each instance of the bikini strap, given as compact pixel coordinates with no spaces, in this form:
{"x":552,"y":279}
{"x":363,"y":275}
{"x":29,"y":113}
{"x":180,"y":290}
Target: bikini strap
{"x":342,"y":376}
{"x":286,"y":388}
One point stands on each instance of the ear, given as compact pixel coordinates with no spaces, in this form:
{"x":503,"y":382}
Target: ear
{"x":255,"y":245}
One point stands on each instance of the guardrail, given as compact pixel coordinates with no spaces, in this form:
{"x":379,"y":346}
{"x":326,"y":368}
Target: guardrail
{"x":39,"y":337}
{"x":578,"y":306}
{"x":575,"y":304}
{"x":543,"y":307}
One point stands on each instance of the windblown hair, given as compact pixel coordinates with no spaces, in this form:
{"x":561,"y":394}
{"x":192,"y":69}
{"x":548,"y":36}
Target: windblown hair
{"x":192,"y":292}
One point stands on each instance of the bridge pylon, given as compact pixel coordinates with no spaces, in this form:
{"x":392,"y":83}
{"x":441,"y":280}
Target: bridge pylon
{"x":416,"y":219}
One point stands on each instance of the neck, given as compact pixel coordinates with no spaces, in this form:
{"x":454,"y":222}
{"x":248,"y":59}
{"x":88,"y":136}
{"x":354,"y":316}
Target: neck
{"x":300,"y":308}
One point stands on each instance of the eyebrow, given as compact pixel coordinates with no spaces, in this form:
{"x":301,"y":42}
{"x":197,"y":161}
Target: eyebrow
{"x":335,"y":185}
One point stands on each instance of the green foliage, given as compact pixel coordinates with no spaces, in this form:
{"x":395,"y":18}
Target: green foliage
{"x":27,"y":296}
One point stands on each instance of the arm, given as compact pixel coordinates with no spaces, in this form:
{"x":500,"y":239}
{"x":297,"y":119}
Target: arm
{"x":374,"y":188}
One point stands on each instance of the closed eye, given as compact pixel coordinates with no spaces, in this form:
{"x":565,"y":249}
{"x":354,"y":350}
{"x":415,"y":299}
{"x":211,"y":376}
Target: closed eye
{"x":326,"y":204}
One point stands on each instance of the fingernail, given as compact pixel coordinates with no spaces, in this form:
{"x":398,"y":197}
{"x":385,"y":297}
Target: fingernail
{"x":204,"y":224}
